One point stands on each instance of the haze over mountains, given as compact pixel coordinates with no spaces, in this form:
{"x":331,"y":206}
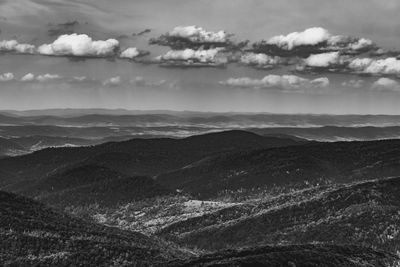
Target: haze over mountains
{"x":22,"y":132}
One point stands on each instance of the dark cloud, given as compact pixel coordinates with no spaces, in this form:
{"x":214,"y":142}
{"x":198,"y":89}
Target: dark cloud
{"x":145,"y":31}
{"x":68,"y":27}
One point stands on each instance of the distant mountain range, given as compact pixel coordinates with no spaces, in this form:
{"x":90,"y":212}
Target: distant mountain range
{"x":23,"y":132}
{"x":99,"y":117}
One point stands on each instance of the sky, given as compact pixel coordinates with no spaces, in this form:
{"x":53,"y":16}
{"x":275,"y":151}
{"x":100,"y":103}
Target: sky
{"x":287,"y":56}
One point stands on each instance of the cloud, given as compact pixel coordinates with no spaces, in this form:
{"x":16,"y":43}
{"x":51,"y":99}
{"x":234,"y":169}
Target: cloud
{"x":113,"y":81}
{"x":132,"y":52}
{"x":320,"y":82}
{"x":260,"y":60}
{"x":199,"y":35}
{"x":386,"y":84}
{"x":313,"y":41}
{"x":80,"y":78}
{"x":194,"y":37}
{"x":6,"y":77}
{"x":79,"y":45}
{"x":28,"y":77}
{"x":323,"y":60}
{"x":142,"y":82}
{"x":311,"y":36}
{"x":388,"y":66}
{"x":353,"y":83}
{"x":48,"y":77}
{"x":143,"y":32}
{"x":190,"y":54}
{"x":14,"y":47}
{"x":286,"y":82}
{"x":192,"y":58}
{"x":361,"y":44}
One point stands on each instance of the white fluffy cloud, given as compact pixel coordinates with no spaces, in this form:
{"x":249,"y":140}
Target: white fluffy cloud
{"x":353,"y":83}
{"x":131,"y":53}
{"x":79,"y":45}
{"x":6,"y":77}
{"x":80,"y":78}
{"x":204,"y":56}
{"x":113,"y":81}
{"x":198,"y":34}
{"x":47,"y":77}
{"x":323,"y":60}
{"x":320,"y":82}
{"x":28,"y":77}
{"x":361,"y":44}
{"x":260,"y":59}
{"x":287,"y":82}
{"x":14,"y":46}
{"x":386,"y":84}
{"x":389,"y":65}
{"x":311,"y":36}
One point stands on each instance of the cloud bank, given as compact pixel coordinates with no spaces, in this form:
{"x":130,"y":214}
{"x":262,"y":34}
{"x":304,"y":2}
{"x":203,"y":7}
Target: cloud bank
{"x":313,"y":41}
{"x":193,"y":37}
{"x":285,"y":82}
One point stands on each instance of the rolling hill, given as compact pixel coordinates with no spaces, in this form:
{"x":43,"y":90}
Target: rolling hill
{"x":363,"y":213}
{"x":334,"y":133}
{"x":34,"y":235}
{"x":135,"y":157}
{"x":313,"y":163}
{"x":10,"y":148}
{"x":91,"y":184}
{"x":295,"y":256}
